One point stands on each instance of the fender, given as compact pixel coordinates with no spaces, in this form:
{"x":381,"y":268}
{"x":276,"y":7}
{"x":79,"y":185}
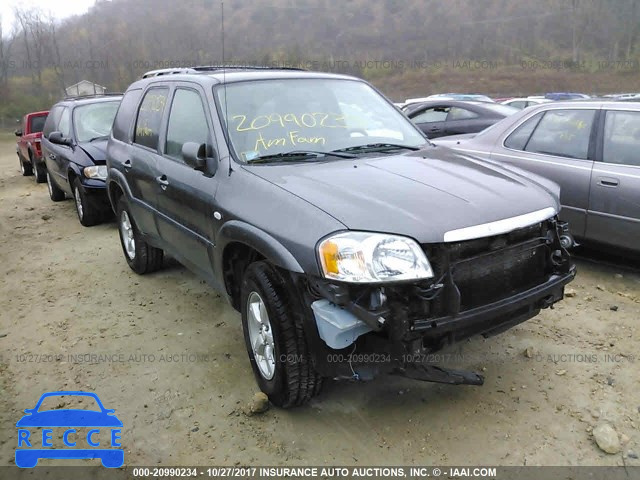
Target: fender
{"x":75,"y":168}
{"x":272,"y":249}
{"x":117,"y":177}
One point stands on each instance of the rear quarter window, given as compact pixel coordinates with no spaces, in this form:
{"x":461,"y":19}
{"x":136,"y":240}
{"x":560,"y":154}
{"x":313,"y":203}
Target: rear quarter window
{"x":126,"y":114}
{"x":563,"y":133}
{"x":622,"y":138}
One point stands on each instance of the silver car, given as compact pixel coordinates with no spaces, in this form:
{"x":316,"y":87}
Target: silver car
{"x":590,"y":148}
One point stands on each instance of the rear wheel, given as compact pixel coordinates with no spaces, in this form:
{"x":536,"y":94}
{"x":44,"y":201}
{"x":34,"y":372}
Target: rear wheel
{"x":87,"y":212}
{"x":275,"y":339}
{"x":39,"y":172}
{"x":25,"y":168}
{"x":54,"y":192}
{"x":141,"y":257}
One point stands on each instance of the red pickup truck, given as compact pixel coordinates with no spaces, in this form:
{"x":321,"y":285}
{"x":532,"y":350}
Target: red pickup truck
{"x":28,"y":146}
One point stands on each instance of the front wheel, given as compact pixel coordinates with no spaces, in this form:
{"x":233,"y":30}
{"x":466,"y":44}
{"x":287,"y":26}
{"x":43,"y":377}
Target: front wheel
{"x":55,"y":193}
{"x":87,"y":212}
{"x":141,"y":257}
{"x":275,"y":339}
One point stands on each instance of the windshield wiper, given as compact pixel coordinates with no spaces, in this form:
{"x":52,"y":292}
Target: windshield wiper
{"x":297,"y":155}
{"x":378,"y":147}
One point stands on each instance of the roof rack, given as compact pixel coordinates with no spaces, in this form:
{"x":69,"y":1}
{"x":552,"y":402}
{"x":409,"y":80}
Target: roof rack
{"x":92,"y":95}
{"x":211,"y":68}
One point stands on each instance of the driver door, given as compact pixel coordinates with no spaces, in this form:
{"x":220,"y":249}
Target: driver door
{"x":186,"y":195}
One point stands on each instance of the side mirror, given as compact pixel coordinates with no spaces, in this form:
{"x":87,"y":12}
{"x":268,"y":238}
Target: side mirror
{"x":18,"y":132}
{"x":58,"y":139}
{"x":195,"y":155}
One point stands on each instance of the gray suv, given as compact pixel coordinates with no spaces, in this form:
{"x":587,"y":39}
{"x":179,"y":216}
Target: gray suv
{"x":350,"y":244}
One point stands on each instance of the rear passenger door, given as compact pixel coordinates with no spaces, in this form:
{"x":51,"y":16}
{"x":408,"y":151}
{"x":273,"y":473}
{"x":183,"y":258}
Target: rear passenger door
{"x":141,"y":169}
{"x":558,"y":144}
{"x":186,"y":195}
{"x":614,"y":202}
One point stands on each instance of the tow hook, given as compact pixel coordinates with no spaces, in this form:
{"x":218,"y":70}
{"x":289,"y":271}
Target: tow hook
{"x":566,"y":239}
{"x":547,"y":301}
{"x":432,"y":373}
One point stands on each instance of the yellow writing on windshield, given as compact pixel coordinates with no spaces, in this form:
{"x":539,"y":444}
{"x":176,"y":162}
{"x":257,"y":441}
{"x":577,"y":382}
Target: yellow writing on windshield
{"x":293,"y":138}
{"x":304,"y":120}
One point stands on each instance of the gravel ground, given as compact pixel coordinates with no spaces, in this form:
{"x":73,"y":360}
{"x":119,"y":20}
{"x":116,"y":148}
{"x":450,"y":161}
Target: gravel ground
{"x":169,"y":358}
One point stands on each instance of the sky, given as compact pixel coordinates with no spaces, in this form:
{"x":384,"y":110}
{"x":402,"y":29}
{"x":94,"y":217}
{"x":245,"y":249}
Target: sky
{"x":59,"y":8}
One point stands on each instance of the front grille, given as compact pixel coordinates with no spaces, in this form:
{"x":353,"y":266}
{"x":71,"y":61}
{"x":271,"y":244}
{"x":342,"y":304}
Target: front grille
{"x":489,"y":269}
{"x":500,"y":274}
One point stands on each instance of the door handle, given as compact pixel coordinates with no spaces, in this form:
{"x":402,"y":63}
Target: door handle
{"x":127,"y":165}
{"x":162,"y":181}
{"x":608,"y":182}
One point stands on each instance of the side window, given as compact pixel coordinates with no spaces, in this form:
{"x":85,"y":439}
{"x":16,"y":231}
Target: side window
{"x":125,"y":115}
{"x":520,"y":136}
{"x":563,"y":133}
{"x":434,"y":114}
{"x":457,"y":113}
{"x":622,"y":138}
{"x":64,"y":126}
{"x":149,"y":118}
{"x":187,"y":122}
{"x":52,"y":121}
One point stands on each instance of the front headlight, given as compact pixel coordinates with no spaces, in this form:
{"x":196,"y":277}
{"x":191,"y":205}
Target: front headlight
{"x":362,"y":257}
{"x":96,"y":171}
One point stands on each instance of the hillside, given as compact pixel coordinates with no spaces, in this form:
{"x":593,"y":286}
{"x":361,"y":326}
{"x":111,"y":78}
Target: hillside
{"x":407,"y":47}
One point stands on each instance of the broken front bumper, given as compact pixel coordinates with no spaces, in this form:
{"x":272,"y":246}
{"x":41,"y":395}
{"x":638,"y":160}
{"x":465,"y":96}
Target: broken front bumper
{"x":483,"y":286}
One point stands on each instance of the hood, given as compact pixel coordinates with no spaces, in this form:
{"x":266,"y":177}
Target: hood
{"x":97,"y":150}
{"x":422,"y":195}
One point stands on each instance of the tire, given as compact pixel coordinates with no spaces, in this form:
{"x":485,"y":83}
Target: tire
{"x":55,"y":193}
{"x":38,"y":172}
{"x":25,"y":168}
{"x":141,"y":257}
{"x":293,"y":381}
{"x":87,"y":212}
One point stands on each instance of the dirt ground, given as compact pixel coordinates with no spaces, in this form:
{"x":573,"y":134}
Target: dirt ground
{"x":170,"y":360}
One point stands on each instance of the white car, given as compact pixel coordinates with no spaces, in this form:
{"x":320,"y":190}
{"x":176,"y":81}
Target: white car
{"x":474,"y":97}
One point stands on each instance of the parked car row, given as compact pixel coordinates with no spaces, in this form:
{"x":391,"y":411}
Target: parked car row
{"x":351,"y":244}
{"x":74,"y":146}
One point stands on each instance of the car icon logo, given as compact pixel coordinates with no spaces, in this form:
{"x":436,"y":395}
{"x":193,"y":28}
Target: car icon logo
{"x":31,"y":448}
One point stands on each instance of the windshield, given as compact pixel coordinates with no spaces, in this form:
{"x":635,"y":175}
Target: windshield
{"x":94,"y":120}
{"x":271,"y":117}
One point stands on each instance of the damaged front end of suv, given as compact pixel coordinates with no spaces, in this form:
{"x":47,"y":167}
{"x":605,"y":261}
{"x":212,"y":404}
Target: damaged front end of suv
{"x":386,"y":302}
